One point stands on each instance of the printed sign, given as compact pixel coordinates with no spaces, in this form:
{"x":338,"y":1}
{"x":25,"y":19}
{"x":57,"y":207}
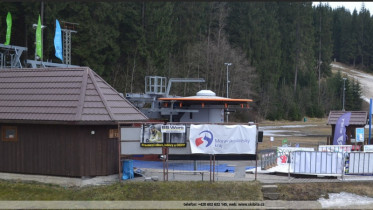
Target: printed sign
{"x":173,"y":128}
{"x":223,"y":139}
{"x":335,"y":148}
{"x":160,"y":135}
{"x":368,"y":148}
{"x":359,"y":134}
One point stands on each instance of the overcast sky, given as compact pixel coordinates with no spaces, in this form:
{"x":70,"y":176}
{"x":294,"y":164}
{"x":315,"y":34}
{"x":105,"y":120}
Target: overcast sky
{"x":349,"y":5}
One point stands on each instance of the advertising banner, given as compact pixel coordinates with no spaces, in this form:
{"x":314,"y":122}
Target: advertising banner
{"x":223,"y":139}
{"x":58,"y":41}
{"x":335,"y":148}
{"x":359,"y":134}
{"x":368,"y":148}
{"x":39,"y":43}
{"x":8,"y":29}
{"x":340,"y":129}
{"x":160,"y":135}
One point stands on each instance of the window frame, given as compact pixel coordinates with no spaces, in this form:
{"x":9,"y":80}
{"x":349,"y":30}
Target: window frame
{"x":4,"y":128}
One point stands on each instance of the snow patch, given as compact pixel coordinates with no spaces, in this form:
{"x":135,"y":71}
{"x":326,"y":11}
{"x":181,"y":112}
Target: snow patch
{"x":344,"y":199}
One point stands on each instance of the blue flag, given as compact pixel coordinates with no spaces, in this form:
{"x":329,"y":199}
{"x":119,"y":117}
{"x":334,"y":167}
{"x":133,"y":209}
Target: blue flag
{"x":58,"y":41}
{"x":340,"y":129}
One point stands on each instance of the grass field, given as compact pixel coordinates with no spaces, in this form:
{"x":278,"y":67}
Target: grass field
{"x":124,"y":191}
{"x":176,"y":191}
{"x":316,"y":130}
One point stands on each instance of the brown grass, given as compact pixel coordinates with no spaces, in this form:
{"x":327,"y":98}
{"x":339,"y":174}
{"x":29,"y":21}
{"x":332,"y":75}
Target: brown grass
{"x":319,"y":132}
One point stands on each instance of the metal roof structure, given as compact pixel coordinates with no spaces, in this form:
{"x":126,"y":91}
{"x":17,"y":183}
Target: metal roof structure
{"x":62,"y":95}
{"x":357,"y":117}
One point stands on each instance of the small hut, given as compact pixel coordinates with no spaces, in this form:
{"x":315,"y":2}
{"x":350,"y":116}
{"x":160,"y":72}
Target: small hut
{"x":60,"y":121}
{"x":358,"y":119}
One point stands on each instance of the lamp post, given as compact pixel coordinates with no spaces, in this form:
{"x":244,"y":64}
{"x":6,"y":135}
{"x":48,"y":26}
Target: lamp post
{"x":227,"y":64}
{"x":344,"y":89}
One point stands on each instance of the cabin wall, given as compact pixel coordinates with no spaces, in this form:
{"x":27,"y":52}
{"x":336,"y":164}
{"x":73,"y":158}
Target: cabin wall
{"x":350,"y":132}
{"x":210,"y":113}
{"x":61,"y":150}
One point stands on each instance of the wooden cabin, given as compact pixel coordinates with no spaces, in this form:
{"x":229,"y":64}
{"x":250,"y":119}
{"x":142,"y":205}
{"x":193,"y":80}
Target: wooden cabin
{"x":60,"y":121}
{"x":358,"y":119}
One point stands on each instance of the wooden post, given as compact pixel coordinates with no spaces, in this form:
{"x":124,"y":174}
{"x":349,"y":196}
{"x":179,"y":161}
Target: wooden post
{"x":119,"y":153}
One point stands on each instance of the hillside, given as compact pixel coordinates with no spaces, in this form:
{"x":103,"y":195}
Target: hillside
{"x":365,"y":79}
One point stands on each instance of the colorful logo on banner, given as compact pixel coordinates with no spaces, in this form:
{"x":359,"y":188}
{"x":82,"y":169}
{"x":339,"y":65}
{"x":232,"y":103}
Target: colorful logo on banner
{"x":340,"y":129}
{"x":222,"y":139}
{"x":208,"y":136}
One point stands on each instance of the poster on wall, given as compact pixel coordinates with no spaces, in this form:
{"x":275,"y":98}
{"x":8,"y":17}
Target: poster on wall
{"x":223,"y":139}
{"x":161,"y":135}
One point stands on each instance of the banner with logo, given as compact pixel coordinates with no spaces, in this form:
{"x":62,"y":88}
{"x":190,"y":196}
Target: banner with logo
{"x":340,"y":129}
{"x":160,"y":135}
{"x":223,"y":139}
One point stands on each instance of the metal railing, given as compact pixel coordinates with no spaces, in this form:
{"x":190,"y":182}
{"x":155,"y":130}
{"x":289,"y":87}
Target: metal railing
{"x":325,"y":163}
{"x":359,"y":163}
{"x":268,"y":158}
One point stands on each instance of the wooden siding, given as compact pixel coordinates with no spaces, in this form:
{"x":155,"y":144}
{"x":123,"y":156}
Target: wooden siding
{"x":61,"y":150}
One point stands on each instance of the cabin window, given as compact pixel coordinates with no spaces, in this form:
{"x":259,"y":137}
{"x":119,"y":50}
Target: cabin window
{"x":9,"y":133}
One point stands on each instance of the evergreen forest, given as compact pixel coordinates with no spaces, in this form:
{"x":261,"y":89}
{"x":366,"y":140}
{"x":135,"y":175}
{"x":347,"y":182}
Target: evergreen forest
{"x":280,"y":51}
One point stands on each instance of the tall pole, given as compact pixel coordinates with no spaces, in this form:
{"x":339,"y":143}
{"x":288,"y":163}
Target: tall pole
{"x":344,"y":89}
{"x":227,"y":64}
{"x":370,"y":120}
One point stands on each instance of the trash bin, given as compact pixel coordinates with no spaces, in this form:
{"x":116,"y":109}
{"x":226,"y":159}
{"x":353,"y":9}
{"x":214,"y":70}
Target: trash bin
{"x":305,"y":119}
{"x":127,"y":169}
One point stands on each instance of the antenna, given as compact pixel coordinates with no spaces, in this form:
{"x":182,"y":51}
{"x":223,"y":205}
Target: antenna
{"x":68,"y":28}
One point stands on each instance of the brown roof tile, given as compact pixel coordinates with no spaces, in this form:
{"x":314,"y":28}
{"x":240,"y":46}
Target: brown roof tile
{"x":357,"y":117}
{"x":62,"y":94}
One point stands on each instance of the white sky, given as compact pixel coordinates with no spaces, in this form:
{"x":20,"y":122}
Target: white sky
{"x":348,"y":5}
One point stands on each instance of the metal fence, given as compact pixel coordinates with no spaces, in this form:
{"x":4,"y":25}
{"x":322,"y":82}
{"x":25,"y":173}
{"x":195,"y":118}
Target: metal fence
{"x":267,"y":158}
{"x":359,"y":163}
{"x":325,"y":163}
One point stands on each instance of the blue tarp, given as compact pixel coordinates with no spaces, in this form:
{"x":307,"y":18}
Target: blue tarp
{"x":182,"y":166}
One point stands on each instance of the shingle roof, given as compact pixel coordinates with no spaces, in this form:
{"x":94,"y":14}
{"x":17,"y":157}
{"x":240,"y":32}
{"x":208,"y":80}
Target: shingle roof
{"x":62,"y":94}
{"x":357,"y":117}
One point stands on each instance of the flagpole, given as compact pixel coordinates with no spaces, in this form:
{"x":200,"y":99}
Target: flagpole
{"x":370,"y":120}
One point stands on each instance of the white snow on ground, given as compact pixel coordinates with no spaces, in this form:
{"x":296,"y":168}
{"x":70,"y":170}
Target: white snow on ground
{"x":344,"y":199}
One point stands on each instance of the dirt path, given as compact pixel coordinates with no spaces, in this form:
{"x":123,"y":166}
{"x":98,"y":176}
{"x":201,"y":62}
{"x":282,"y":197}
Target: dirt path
{"x":365,"y":79}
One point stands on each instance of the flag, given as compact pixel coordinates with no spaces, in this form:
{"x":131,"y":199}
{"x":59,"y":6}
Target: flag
{"x":340,"y":129}
{"x":39,"y":45}
{"x":58,"y":41}
{"x":9,"y":28}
